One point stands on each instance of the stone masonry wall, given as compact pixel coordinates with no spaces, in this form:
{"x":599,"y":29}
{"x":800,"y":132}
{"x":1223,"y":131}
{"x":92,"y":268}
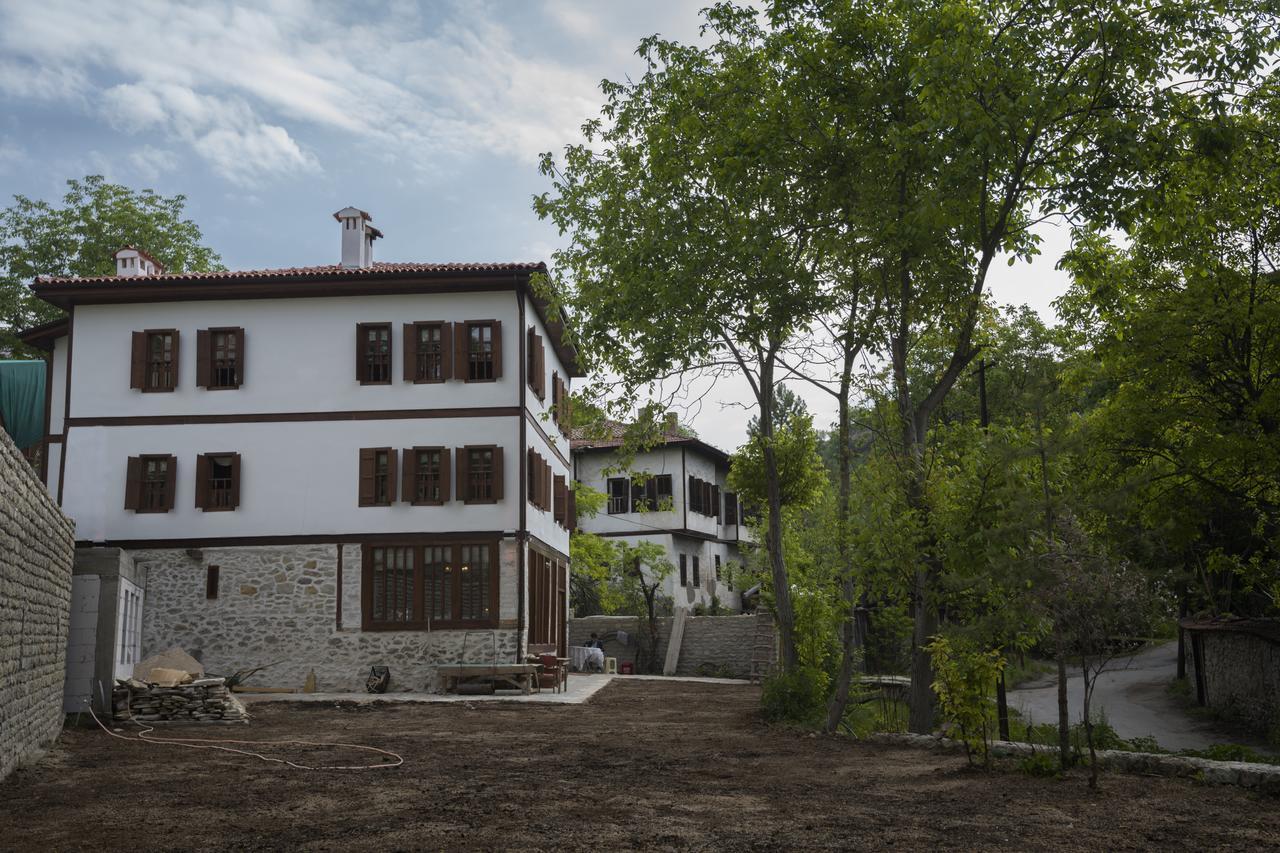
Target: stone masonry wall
{"x":1241,"y":677}
{"x":37,"y":546}
{"x":716,"y":645}
{"x":279,"y":605}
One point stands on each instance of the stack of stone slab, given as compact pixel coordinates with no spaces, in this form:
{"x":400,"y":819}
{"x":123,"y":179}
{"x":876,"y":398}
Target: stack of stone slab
{"x":201,"y":700}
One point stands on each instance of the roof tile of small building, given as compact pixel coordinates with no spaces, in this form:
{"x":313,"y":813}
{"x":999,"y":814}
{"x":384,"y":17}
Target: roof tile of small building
{"x":378,"y":268}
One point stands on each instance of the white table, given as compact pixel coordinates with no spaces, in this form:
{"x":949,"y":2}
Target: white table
{"x":581,"y":658}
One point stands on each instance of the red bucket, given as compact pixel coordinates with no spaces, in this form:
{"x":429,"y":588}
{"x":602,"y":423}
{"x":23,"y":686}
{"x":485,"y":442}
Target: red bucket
{"x":626,"y":668}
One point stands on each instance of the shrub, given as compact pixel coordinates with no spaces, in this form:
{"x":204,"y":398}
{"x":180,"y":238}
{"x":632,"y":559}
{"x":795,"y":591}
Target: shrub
{"x":965,"y":676}
{"x":1039,"y":764}
{"x":796,"y":697}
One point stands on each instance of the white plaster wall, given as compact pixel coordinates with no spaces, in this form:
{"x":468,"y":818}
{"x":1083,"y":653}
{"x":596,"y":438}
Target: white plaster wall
{"x":54,"y":451}
{"x":299,"y":355}
{"x":297,"y":478}
{"x":80,"y":642}
{"x":665,"y":460}
{"x":58,"y":379}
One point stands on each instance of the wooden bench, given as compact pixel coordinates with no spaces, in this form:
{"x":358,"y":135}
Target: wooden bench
{"x":519,"y":676}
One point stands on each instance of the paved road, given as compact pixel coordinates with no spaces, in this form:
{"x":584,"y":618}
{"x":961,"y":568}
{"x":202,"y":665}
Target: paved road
{"x":1133,"y":695}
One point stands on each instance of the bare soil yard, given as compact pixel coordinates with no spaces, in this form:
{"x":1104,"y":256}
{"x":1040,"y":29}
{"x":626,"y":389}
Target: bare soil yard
{"x":646,"y":764}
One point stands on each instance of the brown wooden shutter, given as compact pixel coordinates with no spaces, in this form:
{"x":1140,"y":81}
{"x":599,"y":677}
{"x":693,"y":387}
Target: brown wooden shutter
{"x":204,"y":371}
{"x":444,"y":474}
{"x":546,"y":485}
{"x":176,"y":351}
{"x":138,"y":360}
{"x":393,"y":470}
{"x":235,"y":480}
{"x":571,"y":514}
{"x":202,"y":481}
{"x":446,"y":351}
{"x":498,"y":474}
{"x":560,"y":497}
{"x":366,"y":476}
{"x":497,"y":349}
{"x":133,"y":483}
{"x":532,"y":475}
{"x":410,"y":352}
{"x":462,"y":466}
{"x":361,"y":344}
{"x":542,"y":369}
{"x":460,"y":344}
{"x":531,"y":359}
{"x":240,"y":362}
{"x":555,"y":396}
{"x":408,"y":472}
{"x":170,"y":482}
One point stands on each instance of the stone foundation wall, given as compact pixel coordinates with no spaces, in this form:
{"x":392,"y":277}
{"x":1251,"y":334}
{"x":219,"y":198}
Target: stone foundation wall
{"x":713,"y":645}
{"x":1241,"y":676}
{"x":280,"y":605}
{"x":37,"y":546}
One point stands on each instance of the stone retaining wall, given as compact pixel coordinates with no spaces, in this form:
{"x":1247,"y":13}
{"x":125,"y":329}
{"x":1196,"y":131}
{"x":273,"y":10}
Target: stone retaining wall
{"x":713,"y":645}
{"x":280,"y":605}
{"x":1241,"y":676}
{"x":37,"y":546}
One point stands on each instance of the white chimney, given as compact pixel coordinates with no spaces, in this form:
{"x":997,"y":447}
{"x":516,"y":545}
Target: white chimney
{"x":357,"y":237}
{"x":131,"y":261}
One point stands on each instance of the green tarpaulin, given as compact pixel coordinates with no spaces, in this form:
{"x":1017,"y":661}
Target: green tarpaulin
{"x":22,"y":401}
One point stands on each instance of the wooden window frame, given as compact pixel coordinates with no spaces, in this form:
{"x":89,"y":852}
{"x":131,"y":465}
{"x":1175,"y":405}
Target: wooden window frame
{"x":462,"y":350}
{"x":411,"y":471}
{"x":560,"y":500}
{"x":412,"y":357}
{"x":135,"y":483}
{"x":463,"y":473}
{"x":204,"y":495}
{"x":418,"y":550}
{"x":206,"y":362}
{"x":140,"y":371}
{"x":392,"y":471}
{"x":362,"y":353}
{"x":608,"y":488}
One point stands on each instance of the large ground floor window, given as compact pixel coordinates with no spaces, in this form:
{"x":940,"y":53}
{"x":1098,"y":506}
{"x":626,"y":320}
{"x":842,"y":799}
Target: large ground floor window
{"x":450,"y":584}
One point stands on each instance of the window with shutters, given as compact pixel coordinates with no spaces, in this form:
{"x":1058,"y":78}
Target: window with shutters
{"x":480,"y":474}
{"x":434,"y":586}
{"x":480,"y":352}
{"x":684,"y":570}
{"x":377,"y":476}
{"x":217,"y":481}
{"x":653,"y":494}
{"x":430,"y":348}
{"x":150,"y":483}
{"x":427,"y":475}
{"x":560,"y":511}
{"x":535,"y":363}
{"x":619,"y":495}
{"x":373,"y":353}
{"x":715,"y":502}
{"x":730,"y":508}
{"x":220,"y":358}
{"x":694,"y":498}
{"x":155,"y":360}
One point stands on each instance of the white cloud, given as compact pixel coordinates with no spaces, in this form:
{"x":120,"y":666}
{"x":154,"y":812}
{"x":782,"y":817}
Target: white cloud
{"x":151,"y":162}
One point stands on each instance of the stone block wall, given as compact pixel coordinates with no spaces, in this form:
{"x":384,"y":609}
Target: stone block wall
{"x":37,"y":546}
{"x":719,"y":645}
{"x":280,"y":605}
{"x":1241,"y":676}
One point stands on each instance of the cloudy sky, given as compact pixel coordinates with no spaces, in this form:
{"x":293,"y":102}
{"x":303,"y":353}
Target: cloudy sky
{"x":270,"y":116}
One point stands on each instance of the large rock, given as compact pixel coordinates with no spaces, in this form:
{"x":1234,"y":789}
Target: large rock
{"x":174,"y":658}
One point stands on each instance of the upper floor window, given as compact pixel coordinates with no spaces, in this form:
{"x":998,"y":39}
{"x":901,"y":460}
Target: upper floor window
{"x":427,"y":348}
{"x":619,"y":488}
{"x":373,"y":353}
{"x":535,"y":364}
{"x":651,"y":494}
{"x":217,"y":481}
{"x":150,"y":483}
{"x":480,"y":474}
{"x":377,"y":476}
{"x":426,"y":475}
{"x":482,"y":351}
{"x":154,"y":363}
{"x":561,"y":511}
{"x":538,"y":478}
{"x":220,"y":358}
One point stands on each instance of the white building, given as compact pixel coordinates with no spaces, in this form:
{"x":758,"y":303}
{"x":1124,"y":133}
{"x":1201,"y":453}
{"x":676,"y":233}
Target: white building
{"x":331,"y":466}
{"x":676,"y":495}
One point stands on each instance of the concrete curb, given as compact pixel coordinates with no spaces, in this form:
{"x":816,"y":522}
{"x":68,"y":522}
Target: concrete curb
{"x":1263,"y":777}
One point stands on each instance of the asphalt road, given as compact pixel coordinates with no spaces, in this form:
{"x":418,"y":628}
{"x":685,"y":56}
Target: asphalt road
{"x":1133,"y":694}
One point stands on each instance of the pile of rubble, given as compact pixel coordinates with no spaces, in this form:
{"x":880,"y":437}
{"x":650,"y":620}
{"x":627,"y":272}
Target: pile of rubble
{"x":172,"y":687}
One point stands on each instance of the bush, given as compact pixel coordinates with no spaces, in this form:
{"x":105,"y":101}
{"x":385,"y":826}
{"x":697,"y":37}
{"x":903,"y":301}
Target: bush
{"x":965,"y":674}
{"x":798,"y":697}
{"x":1040,"y":764}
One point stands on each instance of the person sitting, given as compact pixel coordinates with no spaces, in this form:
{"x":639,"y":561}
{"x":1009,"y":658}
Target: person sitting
{"x":596,"y":660}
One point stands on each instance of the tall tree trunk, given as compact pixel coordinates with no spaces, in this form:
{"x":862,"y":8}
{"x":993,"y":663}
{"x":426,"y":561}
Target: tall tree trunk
{"x":1088,"y":725}
{"x":1064,"y":712}
{"x":1002,"y":706}
{"x":849,"y":588}
{"x":783,"y":612}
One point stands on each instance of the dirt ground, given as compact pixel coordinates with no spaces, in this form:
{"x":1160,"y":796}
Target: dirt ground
{"x":667,"y":765}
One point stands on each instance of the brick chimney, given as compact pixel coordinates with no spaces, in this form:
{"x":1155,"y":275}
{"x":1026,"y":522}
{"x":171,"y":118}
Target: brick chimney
{"x":131,"y":262}
{"x":357,"y":237}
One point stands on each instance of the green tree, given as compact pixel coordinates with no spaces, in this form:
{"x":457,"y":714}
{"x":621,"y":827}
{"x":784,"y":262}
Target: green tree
{"x":80,"y":239}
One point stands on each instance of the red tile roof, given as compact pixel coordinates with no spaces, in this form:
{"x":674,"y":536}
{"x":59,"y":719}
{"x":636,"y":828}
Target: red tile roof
{"x":329,"y":270}
{"x":612,"y":434}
